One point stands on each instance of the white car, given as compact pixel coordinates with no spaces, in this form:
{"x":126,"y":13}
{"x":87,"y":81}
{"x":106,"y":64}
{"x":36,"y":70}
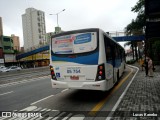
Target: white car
{"x":11,"y":68}
{"x":1,"y":67}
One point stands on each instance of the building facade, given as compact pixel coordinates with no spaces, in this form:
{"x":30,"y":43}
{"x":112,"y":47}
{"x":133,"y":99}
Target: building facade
{"x":1,"y":31}
{"x":16,"y":43}
{"x":34,"y":29}
{"x":1,"y":48}
{"x":7,"y":43}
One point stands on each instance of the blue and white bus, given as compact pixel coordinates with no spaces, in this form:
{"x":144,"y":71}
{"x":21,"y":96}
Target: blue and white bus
{"x":85,"y":59}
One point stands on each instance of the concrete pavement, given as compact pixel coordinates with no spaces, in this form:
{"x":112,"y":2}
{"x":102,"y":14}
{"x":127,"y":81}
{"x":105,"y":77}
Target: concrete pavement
{"x":142,"y":99}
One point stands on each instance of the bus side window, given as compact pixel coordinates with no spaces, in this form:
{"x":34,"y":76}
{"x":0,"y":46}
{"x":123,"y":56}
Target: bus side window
{"x":107,"y":49}
{"x":113,"y":52}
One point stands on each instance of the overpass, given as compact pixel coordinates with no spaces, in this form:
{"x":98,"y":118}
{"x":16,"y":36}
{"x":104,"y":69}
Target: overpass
{"x":46,"y":47}
{"x":129,"y":38}
{"x":38,"y":50}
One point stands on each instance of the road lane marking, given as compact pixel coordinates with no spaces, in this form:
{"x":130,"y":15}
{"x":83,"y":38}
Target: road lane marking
{"x":64,"y":90}
{"x":102,"y":102}
{"x":41,"y":100}
{"x":49,"y":114}
{"x":30,"y":108}
{"x":6,"y":93}
{"x":23,"y":81}
{"x":68,"y":116}
{"x":120,"y":98}
{"x":77,"y":117}
{"x":61,"y":114}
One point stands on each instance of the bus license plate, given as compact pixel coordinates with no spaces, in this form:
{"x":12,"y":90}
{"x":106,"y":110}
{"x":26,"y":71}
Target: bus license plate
{"x":73,"y":70}
{"x":74,"y":77}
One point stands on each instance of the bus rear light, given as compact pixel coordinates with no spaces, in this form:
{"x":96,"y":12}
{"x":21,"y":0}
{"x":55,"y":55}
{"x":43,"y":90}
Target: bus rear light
{"x":100,"y":73}
{"x":52,"y":73}
{"x":101,"y":67}
{"x":99,"y":77}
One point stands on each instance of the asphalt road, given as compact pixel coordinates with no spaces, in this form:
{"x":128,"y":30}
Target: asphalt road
{"x":36,"y":94}
{"x":24,"y":74}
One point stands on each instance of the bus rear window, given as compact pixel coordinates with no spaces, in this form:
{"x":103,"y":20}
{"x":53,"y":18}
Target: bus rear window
{"x":74,"y":43}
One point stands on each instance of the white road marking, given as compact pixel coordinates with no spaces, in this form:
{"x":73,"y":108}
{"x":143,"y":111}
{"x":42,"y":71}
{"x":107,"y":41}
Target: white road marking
{"x":23,"y":81}
{"x":6,"y":93}
{"x":61,"y":114}
{"x":68,"y":116}
{"x":77,"y":117}
{"x":64,"y":90}
{"x":30,"y":108}
{"x":120,"y":98}
{"x":54,"y":116}
{"x":42,"y":99}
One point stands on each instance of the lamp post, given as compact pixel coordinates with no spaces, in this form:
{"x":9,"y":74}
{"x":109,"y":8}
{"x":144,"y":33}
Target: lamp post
{"x":57,"y":15}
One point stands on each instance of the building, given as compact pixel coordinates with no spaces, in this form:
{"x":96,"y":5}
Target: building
{"x":50,"y":34}
{"x":7,"y":43}
{"x":1,"y":48}
{"x":34,"y":28}
{"x":1,"y":31}
{"x":16,"y":43}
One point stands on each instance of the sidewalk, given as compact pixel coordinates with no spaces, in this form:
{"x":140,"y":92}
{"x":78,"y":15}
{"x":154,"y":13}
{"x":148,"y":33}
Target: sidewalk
{"x":142,"y":99}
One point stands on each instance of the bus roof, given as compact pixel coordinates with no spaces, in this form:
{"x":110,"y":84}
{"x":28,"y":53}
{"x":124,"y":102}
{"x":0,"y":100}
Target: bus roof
{"x":76,"y":31}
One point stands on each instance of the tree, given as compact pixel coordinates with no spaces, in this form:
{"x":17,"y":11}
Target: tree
{"x":136,"y":27}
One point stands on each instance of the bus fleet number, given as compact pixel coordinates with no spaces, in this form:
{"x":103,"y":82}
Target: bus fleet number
{"x":73,"y":71}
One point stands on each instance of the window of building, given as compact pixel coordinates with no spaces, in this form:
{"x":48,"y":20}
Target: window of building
{"x":7,"y":47}
{"x":7,"y":39}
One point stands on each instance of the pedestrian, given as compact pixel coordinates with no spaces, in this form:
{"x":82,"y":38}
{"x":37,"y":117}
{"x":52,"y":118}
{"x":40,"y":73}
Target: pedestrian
{"x":142,"y":63}
{"x":150,"y":67}
{"x":146,"y":66}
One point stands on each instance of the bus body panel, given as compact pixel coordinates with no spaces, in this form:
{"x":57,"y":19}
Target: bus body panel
{"x":98,"y":85}
{"x":80,"y":71}
{"x":74,"y":72}
{"x":87,"y":77}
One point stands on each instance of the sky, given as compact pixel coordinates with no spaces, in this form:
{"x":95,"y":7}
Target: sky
{"x":108,"y":15}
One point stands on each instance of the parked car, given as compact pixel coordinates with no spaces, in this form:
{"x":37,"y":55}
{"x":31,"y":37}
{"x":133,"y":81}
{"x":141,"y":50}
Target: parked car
{"x":11,"y":68}
{"x":1,"y":67}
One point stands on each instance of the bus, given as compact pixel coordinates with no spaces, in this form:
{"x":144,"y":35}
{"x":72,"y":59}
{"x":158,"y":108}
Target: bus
{"x":85,"y":59}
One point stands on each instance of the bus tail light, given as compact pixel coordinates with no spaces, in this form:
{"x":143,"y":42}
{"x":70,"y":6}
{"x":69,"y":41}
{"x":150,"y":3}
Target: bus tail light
{"x":100,"y":73}
{"x":52,"y":73}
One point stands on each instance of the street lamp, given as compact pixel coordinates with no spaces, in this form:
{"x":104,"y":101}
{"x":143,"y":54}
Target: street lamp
{"x":57,"y":15}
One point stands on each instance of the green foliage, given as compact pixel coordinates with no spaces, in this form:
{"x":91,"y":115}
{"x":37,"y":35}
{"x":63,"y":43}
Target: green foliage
{"x":139,"y":7}
{"x":139,"y":22}
{"x":16,"y":51}
{"x":156,"y":45}
{"x":155,"y":51}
